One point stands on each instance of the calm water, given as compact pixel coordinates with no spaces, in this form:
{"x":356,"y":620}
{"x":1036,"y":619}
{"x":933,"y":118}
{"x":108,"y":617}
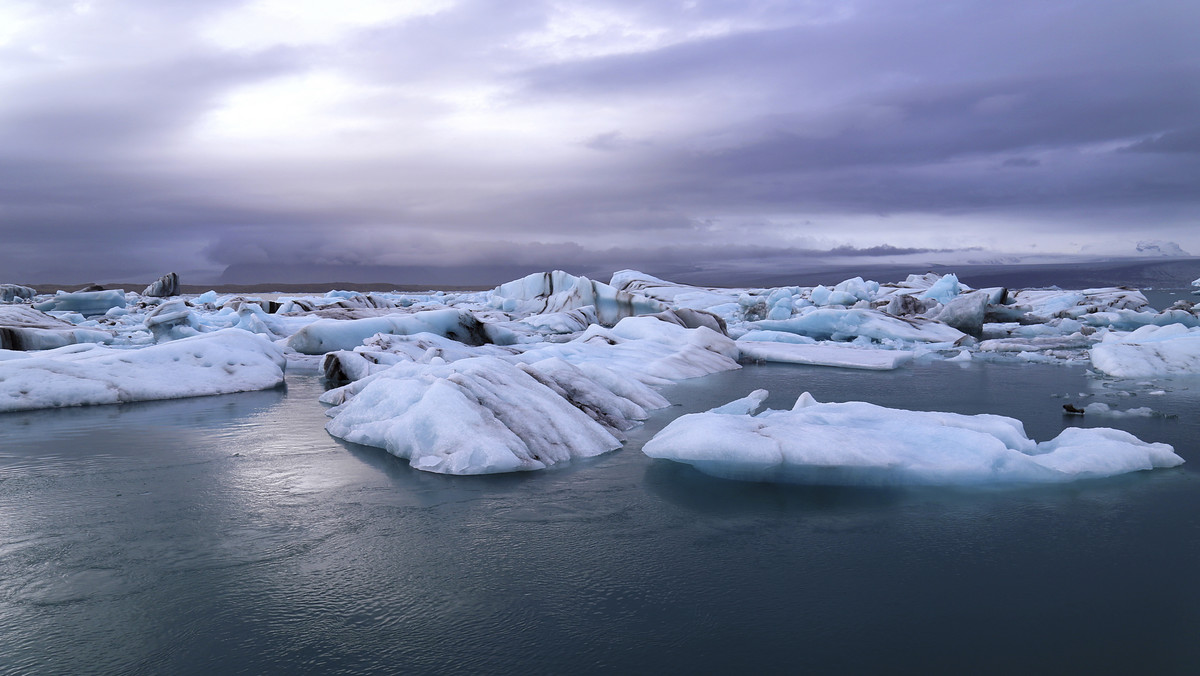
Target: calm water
{"x":232,"y":535}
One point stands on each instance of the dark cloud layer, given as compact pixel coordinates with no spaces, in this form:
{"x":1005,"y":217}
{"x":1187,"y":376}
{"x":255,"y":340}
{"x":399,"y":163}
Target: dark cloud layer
{"x":138,"y":136}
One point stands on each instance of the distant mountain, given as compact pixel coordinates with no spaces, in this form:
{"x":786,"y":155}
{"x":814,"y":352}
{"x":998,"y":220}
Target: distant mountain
{"x":1161,"y":249}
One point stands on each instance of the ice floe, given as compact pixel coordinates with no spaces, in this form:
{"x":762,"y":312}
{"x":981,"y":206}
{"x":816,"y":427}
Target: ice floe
{"x":827,"y":354}
{"x":479,"y":415}
{"x":1149,"y":351}
{"x":214,"y":363}
{"x":857,"y":443}
{"x":25,"y":328}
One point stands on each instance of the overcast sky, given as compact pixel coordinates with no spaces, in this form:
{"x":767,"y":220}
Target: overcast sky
{"x":143,"y":136}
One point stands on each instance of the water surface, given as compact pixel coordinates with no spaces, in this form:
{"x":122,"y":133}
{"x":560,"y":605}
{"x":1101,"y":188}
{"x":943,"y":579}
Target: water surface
{"x":232,"y":535}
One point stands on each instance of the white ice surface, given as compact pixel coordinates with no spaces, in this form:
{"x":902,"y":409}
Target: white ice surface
{"x":824,"y":354}
{"x":327,"y":335}
{"x":847,"y":324}
{"x":1149,"y":351}
{"x":856,"y":443}
{"x":474,"y":416}
{"x":213,"y":363}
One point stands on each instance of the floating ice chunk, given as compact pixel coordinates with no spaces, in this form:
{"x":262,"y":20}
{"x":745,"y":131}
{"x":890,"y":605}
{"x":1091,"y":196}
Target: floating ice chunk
{"x":831,"y":324}
{"x":965,"y":312}
{"x":1149,"y":351}
{"x":86,"y":303}
{"x":776,"y":337}
{"x":1097,"y":408}
{"x":824,"y":354}
{"x":213,"y":363}
{"x":24,"y":328}
{"x":327,"y":335}
{"x":10,"y":293}
{"x":856,"y":443}
{"x":164,"y":287}
{"x":207,"y":298}
{"x":172,"y":320}
{"x":473,"y":416}
{"x":747,"y":405}
{"x":1074,"y":341}
{"x":557,"y":291}
{"x":943,"y":289}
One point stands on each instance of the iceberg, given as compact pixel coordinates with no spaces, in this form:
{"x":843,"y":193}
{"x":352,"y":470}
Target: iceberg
{"x":327,"y":335}
{"x":824,"y":354}
{"x":11,"y":293}
{"x":857,"y":443}
{"x":480,"y":415}
{"x":163,"y":287}
{"x":220,"y":362}
{"x":23,"y":328}
{"x":1149,"y":351}
{"x":831,"y":324}
{"x":86,"y":303}
{"x":557,"y":291}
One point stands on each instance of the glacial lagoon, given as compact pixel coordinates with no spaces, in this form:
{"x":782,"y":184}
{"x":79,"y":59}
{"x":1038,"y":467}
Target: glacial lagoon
{"x":232,"y":534}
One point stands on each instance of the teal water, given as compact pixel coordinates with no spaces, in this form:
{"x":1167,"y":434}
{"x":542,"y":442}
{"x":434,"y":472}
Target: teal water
{"x":232,"y":535}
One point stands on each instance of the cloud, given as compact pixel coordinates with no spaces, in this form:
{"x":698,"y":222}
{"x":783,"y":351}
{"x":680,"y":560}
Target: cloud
{"x":136,"y":133}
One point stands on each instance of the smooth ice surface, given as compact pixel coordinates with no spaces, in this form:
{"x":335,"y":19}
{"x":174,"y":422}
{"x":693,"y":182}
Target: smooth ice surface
{"x":1149,"y":351}
{"x":857,"y":443}
{"x":214,"y":363}
{"x":87,"y":303}
{"x":824,"y":354}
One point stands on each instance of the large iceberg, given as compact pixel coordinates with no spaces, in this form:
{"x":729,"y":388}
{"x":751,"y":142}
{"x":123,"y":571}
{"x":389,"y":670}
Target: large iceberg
{"x":848,"y":324}
{"x":221,"y":362}
{"x":857,"y":443}
{"x":557,"y":291}
{"x":86,"y":303}
{"x":1149,"y":351}
{"x":24,"y":328}
{"x":479,"y":415}
{"x":327,"y":335}
{"x":11,"y":293}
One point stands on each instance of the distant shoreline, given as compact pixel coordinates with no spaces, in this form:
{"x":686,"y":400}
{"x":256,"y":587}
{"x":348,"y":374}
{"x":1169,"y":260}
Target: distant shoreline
{"x":1146,"y":274}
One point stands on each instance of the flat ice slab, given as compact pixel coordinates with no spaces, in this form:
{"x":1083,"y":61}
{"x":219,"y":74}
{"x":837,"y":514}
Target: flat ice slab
{"x":856,"y":443}
{"x":221,"y":362}
{"x":824,"y":355}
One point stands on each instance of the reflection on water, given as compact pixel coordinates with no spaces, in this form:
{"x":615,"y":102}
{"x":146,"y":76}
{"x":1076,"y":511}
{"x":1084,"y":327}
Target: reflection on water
{"x":233,"y":535}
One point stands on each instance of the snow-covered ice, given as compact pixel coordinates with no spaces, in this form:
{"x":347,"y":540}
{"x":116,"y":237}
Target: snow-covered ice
{"x":857,"y":443}
{"x":480,"y":415}
{"x":11,"y":293}
{"x":214,"y":363}
{"x":327,"y":335}
{"x":1149,"y":351}
{"x":24,"y":328}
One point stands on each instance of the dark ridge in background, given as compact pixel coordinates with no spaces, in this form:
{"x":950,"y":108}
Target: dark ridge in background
{"x":1174,"y":273}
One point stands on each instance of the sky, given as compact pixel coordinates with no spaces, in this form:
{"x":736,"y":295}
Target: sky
{"x":266,"y":137}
